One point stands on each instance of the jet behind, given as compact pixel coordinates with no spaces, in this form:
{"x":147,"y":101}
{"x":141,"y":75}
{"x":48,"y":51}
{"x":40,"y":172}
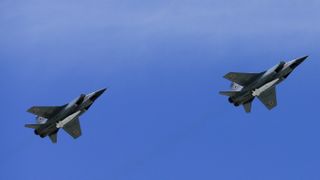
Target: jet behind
{"x":246,"y":86}
{"x":51,"y":118}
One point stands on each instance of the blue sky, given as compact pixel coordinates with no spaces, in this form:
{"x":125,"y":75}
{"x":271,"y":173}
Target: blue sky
{"x":163,"y":61}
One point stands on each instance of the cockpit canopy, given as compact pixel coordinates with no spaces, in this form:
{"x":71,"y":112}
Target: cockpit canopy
{"x":77,"y":101}
{"x":80,"y":99}
{"x":280,"y":66}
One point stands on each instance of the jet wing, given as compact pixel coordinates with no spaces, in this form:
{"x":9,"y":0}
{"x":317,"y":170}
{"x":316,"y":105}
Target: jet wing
{"x":269,"y":98}
{"x":242,"y":79}
{"x":73,"y":128}
{"x":45,"y":111}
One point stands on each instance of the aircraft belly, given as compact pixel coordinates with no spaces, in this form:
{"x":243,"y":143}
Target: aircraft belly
{"x":243,"y":97}
{"x":46,"y":130}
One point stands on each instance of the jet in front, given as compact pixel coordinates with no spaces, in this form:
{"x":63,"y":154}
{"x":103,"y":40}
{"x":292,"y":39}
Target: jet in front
{"x":246,"y":86}
{"x":50,"y":119}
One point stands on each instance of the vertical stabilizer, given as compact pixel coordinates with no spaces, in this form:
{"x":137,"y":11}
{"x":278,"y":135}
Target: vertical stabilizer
{"x":53,"y":137}
{"x":236,"y":87}
{"x":247,"y":106}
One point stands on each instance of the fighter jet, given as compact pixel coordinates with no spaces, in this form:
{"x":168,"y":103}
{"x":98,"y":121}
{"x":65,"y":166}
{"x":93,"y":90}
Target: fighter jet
{"x":246,"y":86}
{"x":51,"y":118}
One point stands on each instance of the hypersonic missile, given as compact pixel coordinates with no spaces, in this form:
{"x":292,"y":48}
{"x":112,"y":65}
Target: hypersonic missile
{"x":263,"y":88}
{"x":62,"y":123}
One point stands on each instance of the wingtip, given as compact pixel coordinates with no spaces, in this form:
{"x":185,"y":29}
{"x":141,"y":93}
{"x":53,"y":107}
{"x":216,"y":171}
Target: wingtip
{"x":226,"y":75}
{"x":29,"y":110}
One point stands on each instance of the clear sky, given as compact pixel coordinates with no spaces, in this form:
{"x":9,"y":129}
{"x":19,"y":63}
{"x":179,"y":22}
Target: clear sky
{"x":163,"y":61}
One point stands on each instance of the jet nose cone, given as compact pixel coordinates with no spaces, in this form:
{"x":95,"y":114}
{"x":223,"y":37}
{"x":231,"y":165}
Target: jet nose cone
{"x":300,"y":60}
{"x":296,"y":62}
{"x":93,"y":96}
{"x":101,"y":91}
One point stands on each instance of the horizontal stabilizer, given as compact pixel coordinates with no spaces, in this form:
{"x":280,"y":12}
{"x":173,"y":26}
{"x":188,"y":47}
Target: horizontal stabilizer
{"x":242,"y":79}
{"x":229,"y":93}
{"x":32,"y":126}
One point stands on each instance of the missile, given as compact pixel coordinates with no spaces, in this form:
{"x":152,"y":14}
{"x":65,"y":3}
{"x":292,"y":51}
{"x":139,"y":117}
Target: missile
{"x":65,"y":121}
{"x":265,"y":87}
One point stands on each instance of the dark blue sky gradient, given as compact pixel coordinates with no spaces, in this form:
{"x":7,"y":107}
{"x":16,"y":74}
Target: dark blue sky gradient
{"x":163,"y":61}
